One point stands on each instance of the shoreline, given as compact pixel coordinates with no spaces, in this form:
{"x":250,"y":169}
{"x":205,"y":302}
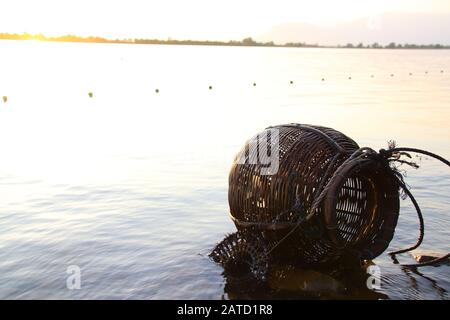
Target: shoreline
{"x":245,"y":43}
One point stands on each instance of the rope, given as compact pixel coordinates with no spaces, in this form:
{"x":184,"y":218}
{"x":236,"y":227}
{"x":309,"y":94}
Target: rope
{"x":387,"y":155}
{"x":421,"y":222}
{"x":313,"y":208}
{"x":424,"y":152}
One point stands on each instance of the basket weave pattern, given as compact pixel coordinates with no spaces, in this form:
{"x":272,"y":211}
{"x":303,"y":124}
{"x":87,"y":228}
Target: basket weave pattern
{"x":320,"y":202}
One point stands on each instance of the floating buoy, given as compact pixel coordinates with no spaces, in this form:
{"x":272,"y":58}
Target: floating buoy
{"x":254,"y":84}
{"x":210,"y":87}
{"x":291,"y":82}
{"x":349,"y":78}
{"x":156,"y":90}
{"x":91,"y":95}
{"x":5,"y":99}
{"x":323,"y":79}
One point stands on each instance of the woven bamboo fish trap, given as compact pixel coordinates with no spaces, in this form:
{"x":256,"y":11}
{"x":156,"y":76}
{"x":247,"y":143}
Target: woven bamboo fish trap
{"x":325,"y":197}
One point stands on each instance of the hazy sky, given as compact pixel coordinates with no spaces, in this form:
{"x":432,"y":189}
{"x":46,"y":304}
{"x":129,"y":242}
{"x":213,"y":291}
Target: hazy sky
{"x":195,"y":19}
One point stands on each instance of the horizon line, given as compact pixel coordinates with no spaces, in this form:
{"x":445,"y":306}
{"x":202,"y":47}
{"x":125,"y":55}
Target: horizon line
{"x":249,"y":42}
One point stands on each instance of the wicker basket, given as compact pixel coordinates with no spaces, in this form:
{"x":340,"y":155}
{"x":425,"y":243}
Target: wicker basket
{"x":325,"y":196}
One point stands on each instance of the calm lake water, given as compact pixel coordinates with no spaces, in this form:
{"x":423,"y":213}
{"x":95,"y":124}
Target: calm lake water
{"x":131,"y":185}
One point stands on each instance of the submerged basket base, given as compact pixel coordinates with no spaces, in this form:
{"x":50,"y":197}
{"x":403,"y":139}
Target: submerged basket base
{"x":245,"y":256}
{"x":242,"y":255}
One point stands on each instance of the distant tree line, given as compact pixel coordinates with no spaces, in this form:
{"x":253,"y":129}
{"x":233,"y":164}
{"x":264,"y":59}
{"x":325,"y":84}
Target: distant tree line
{"x":249,"y":42}
{"x":301,"y":45}
{"x":394,"y":45}
{"x":72,"y":38}
{"x":245,"y":42}
{"x":41,"y":37}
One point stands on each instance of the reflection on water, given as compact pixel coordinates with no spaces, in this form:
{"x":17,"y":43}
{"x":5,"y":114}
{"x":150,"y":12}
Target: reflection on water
{"x":131,"y":185}
{"x":289,"y":282}
{"x":338,"y":281}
